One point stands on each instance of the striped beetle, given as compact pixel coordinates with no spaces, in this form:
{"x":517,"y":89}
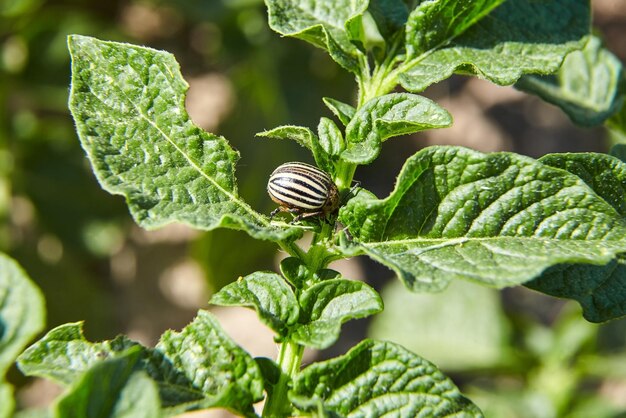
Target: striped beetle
{"x":302,"y":189}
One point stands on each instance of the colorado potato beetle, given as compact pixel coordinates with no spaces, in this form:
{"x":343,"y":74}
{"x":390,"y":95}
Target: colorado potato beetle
{"x":302,"y":189}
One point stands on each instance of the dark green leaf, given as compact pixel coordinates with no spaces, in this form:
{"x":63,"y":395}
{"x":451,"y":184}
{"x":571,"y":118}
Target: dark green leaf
{"x":267,"y":293}
{"x":377,"y":379}
{"x":617,"y":123}
{"x":21,"y":311}
{"x":605,"y":174}
{"x":390,"y":16}
{"x":519,"y":37}
{"x":327,"y":305}
{"x":586,"y":86}
{"x":327,"y":24}
{"x":343,"y":111}
{"x":111,"y":389}
{"x":500,"y":219}
{"x":128,"y":103}
{"x":387,"y":116}
{"x":436,"y":23}
{"x":330,"y":137}
{"x":600,"y":290}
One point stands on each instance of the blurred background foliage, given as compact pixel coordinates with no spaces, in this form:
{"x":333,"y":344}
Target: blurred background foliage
{"x":516,"y":353}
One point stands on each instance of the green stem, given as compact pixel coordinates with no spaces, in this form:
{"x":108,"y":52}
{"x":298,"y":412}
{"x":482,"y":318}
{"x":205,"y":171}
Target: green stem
{"x":289,"y":360}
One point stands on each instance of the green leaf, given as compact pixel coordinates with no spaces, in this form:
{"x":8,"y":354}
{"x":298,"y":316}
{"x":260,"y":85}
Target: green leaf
{"x":435,"y":23}
{"x":519,"y":37}
{"x":605,"y":174}
{"x":390,"y":16}
{"x":111,"y":389}
{"x":63,"y":354}
{"x":327,"y":24}
{"x":21,"y":311}
{"x":203,"y":355}
{"x":379,"y":379}
{"x":331,"y":140}
{"x":586,"y":86}
{"x":299,"y":275}
{"x":343,"y":111}
{"x":303,"y":136}
{"x":199,"y":367}
{"x":327,"y":305}
{"x":306,"y":138}
{"x":437,"y":324}
{"x":500,"y":219}
{"x":128,"y":104}
{"x":387,"y":116}
{"x":600,"y":290}
{"x":267,"y":293}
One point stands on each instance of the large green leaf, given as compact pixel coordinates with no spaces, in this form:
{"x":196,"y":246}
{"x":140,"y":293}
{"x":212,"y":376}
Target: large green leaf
{"x":111,"y":389}
{"x":433,"y":24}
{"x":199,"y":367}
{"x":500,"y":219}
{"x":388,"y":116}
{"x":128,"y":103}
{"x":327,"y":305}
{"x":377,"y":379}
{"x":586,"y":86}
{"x":327,"y":24}
{"x":268,"y":294}
{"x":605,"y":174}
{"x":519,"y":37}
{"x":21,"y":311}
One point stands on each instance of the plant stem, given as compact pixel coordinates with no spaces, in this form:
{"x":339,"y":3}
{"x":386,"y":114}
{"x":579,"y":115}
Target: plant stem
{"x":289,"y":359}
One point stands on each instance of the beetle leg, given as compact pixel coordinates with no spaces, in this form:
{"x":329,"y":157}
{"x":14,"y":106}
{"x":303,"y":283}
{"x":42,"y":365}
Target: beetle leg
{"x":274,"y":212}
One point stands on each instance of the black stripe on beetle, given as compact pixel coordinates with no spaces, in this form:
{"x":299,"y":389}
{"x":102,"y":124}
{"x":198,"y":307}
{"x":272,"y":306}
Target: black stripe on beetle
{"x":302,"y":189}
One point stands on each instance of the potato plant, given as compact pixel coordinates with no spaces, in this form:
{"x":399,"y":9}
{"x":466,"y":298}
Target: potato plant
{"x":556,"y":224}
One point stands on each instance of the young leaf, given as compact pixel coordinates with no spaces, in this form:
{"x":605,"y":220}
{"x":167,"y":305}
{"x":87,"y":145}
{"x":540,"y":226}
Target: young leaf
{"x":214,"y":365}
{"x":586,"y":86}
{"x":379,"y":379}
{"x":330,"y":137}
{"x":600,"y":290}
{"x":605,"y":174}
{"x":435,"y":23}
{"x":506,"y":44}
{"x":387,"y":116}
{"x":21,"y":311}
{"x":303,"y":136}
{"x":327,"y":305}
{"x":265,"y":292}
{"x":298,"y":274}
{"x":128,"y":103}
{"x":500,"y":219}
{"x":327,"y":24}
{"x":111,"y":389}
{"x":343,"y":111}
